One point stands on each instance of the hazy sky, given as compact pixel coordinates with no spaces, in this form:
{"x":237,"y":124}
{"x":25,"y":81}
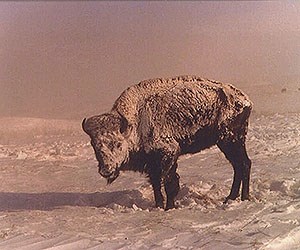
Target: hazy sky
{"x":72,"y":59}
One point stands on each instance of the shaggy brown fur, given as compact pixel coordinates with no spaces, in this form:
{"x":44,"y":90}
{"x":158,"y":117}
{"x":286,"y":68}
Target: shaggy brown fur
{"x":154,"y":122}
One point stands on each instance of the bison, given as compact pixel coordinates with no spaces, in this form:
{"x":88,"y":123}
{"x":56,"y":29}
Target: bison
{"x":154,"y":122}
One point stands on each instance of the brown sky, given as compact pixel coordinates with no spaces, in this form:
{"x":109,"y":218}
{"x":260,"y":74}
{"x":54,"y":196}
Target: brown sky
{"x":72,"y":59}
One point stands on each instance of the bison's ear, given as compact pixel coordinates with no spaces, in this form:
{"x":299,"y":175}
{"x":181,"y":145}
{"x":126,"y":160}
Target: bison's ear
{"x":125,"y":127}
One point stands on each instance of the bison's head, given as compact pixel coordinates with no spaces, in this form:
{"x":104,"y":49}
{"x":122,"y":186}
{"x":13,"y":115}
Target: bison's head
{"x":108,"y":134}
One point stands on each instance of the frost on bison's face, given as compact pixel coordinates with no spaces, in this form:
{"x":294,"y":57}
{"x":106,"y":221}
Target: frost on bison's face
{"x":107,"y":133}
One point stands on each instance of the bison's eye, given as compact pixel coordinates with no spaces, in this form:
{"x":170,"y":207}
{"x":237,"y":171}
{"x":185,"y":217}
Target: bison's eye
{"x":110,"y":145}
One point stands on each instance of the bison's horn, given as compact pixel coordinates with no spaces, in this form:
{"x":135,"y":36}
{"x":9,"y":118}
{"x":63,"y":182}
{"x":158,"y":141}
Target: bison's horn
{"x":83,"y":125}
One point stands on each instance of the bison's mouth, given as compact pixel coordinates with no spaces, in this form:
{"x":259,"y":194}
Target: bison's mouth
{"x":109,"y":176}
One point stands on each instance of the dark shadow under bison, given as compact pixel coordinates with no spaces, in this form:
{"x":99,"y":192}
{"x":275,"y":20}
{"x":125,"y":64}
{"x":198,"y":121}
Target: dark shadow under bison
{"x":154,"y":122}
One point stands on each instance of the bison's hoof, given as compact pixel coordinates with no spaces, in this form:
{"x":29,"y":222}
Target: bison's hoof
{"x":246,"y":198}
{"x":230,"y":198}
{"x":170,"y":206}
{"x":159,"y":205}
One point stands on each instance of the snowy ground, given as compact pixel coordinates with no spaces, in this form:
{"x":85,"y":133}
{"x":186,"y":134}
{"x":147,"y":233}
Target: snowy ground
{"x":51,"y":195}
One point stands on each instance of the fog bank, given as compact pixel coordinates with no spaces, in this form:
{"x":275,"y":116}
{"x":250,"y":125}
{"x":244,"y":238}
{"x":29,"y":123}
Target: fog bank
{"x":72,"y":59}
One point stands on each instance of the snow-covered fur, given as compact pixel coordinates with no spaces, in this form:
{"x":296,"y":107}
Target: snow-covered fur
{"x":154,"y":122}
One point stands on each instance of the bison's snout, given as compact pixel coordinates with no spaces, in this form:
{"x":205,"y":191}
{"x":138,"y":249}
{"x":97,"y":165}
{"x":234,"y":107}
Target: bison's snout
{"x":104,"y":172}
{"x":110,"y":176}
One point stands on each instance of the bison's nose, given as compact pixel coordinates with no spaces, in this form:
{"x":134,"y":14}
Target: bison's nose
{"x":104,"y":172}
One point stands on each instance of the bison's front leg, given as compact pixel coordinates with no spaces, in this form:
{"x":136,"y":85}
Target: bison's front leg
{"x":156,"y":185}
{"x":163,"y":165}
{"x":154,"y":172}
{"x":171,"y":183}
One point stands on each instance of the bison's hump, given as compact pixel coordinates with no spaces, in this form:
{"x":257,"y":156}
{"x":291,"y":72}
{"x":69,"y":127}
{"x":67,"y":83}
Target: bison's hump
{"x":135,"y":96}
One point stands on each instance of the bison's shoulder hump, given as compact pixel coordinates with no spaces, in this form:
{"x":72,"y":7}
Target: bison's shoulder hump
{"x":193,"y":88}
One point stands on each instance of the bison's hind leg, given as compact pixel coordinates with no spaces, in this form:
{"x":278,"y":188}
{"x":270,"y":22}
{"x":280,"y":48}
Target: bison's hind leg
{"x":171,"y":184}
{"x":235,"y":152}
